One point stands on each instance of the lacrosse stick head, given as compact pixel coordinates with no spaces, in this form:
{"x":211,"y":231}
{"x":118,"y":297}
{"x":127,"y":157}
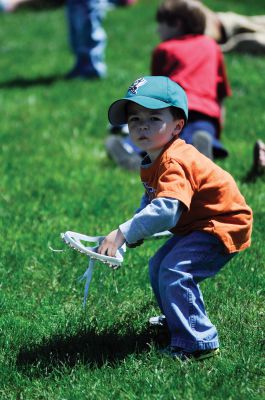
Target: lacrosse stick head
{"x":80,"y":242}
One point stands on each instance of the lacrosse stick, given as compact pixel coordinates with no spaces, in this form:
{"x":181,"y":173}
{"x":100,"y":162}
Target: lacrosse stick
{"x":74,"y":240}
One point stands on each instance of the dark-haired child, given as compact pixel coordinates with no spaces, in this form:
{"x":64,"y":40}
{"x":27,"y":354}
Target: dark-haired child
{"x":188,"y":194}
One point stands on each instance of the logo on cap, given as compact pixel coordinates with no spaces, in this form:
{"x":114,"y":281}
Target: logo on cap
{"x":136,"y":84}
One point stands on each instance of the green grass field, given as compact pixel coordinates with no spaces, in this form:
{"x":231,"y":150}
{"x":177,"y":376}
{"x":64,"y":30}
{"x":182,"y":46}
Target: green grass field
{"x":55,"y":176}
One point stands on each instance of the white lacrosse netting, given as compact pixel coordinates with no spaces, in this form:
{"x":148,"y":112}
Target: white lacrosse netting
{"x":74,"y":240}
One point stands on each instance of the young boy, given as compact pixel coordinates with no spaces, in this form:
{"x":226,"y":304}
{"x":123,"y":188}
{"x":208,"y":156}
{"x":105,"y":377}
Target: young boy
{"x":188,"y":194}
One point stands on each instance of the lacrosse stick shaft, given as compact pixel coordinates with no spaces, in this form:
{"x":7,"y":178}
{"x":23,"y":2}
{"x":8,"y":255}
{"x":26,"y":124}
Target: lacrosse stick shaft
{"x":87,"y":276}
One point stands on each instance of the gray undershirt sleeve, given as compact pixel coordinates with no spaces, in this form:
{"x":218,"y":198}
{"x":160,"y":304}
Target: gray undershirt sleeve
{"x":160,"y":215}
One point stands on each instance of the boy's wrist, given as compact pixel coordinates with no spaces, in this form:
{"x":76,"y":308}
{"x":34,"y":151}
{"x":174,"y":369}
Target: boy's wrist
{"x":125,"y":230}
{"x":120,"y":237}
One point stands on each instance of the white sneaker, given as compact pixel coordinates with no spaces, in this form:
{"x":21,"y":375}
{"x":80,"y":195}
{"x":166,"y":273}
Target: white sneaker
{"x":158,"y":321}
{"x":203,"y":142}
{"x":122,"y":153}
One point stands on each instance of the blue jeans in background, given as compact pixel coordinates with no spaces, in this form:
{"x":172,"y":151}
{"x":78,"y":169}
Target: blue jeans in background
{"x":219,"y":151}
{"x":87,"y":37}
{"x":175,"y":271}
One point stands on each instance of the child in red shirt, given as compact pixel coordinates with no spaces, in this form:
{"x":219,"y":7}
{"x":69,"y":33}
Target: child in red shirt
{"x":196,"y":63}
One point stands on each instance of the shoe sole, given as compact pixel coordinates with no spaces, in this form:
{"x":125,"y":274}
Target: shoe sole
{"x":123,"y":156}
{"x":259,"y":156}
{"x":202,"y":141}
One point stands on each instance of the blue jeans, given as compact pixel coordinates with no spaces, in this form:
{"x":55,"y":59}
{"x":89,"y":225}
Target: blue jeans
{"x":175,"y":271}
{"x":87,"y":36}
{"x":219,"y":151}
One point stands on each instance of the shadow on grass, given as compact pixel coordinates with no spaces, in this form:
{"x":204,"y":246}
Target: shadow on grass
{"x":23,"y":83}
{"x":39,"y":5}
{"x":94,"y":349}
{"x":252,"y":176}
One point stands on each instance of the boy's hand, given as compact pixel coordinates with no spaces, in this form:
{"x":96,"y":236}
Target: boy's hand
{"x":111,"y":243}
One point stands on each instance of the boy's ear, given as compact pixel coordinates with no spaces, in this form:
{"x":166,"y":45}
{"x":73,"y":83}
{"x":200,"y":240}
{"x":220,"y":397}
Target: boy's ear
{"x":178,"y":127}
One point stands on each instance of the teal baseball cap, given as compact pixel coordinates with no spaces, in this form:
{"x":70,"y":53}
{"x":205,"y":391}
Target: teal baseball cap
{"x":154,"y":92}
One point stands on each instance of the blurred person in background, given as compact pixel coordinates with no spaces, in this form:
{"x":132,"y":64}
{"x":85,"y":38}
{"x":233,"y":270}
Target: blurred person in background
{"x":235,"y":32}
{"x":87,"y":35}
{"x":239,"y":33}
{"x":11,"y":5}
{"x":14,"y":5}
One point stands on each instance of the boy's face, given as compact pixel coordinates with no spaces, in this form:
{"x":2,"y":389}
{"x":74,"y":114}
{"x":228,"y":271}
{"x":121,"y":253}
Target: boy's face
{"x":151,"y":129}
